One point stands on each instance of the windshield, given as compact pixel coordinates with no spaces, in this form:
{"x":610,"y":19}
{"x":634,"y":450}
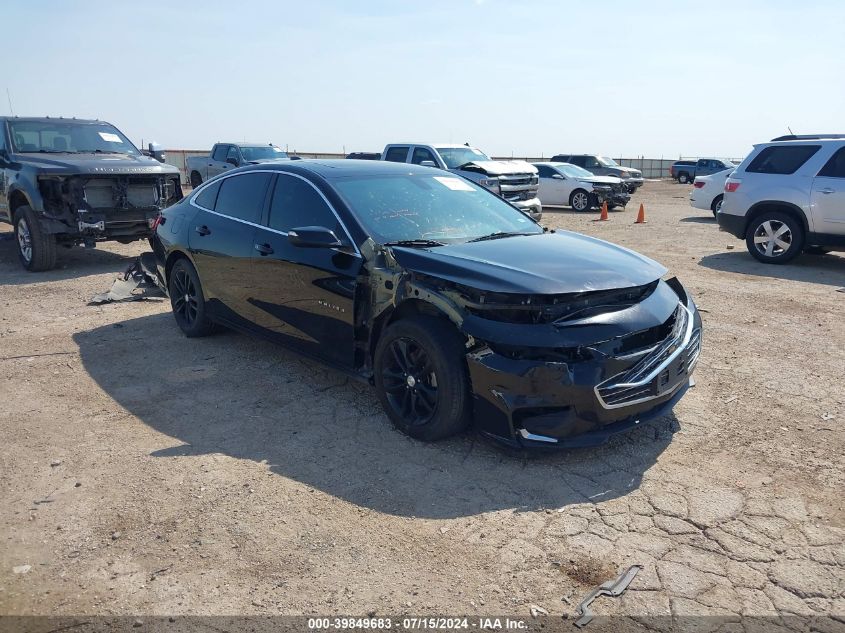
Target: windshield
{"x":69,"y":136}
{"x":454,"y":157}
{"x":442,"y":208}
{"x":607,"y":162}
{"x":573,"y":171}
{"x":262,"y":152}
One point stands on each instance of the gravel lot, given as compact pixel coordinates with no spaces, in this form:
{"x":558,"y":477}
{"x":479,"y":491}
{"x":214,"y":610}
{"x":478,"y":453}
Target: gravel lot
{"x":145,"y":473}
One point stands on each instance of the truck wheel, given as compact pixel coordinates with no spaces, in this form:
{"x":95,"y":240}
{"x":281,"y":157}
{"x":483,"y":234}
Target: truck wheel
{"x":421,"y":378}
{"x":683,"y":178}
{"x":188,"y":301}
{"x":36,"y":249}
{"x":774,"y":238}
{"x":580,"y":200}
{"x":716,"y":205}
{"x":196,"y":179}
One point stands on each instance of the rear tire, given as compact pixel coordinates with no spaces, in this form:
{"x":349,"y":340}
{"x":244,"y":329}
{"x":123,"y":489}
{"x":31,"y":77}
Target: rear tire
{"x":774,"y":237}
{"x":580,"y":200}
{"x":716,"y":204}
{"x":683,"y":178}
{"x":421,"y":378}
{"x":36,"y":248}
{"x":196,"y":179}
{"x":187,"y":300}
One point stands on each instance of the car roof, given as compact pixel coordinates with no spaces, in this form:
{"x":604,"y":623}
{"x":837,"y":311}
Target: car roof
{"x":245,"y":144}
{"x":553,"y":163}
{"x":341,"y":167}
{"x":49,"y":119}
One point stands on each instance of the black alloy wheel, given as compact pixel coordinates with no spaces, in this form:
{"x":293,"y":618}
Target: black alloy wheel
{"x":187,"y":300}
{"x":410,"y":382}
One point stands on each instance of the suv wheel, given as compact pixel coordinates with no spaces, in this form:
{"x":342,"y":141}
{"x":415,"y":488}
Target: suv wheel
{"x":683,"y":178}
{"x":36,"y":249}
{"x":421,"y":378}
{"x":580,"y":200}
{"x":774,"y":237}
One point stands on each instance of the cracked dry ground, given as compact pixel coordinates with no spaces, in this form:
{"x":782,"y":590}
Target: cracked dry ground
{"x":223,"y":475}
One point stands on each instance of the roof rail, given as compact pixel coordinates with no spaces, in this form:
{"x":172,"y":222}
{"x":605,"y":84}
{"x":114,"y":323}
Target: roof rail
{"x":806,"y":137}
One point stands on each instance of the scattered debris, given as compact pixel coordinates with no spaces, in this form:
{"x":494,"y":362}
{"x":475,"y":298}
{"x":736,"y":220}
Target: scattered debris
{"x":730,"y":247}
{"x":537,"y":610}
{"x":613,"y":588}
{"x":444,"y":529}
{"x":731,"y":399}
{"x":21,"y":569}
{"x":124,"y":288}
{"x":56,"y":462}
{"x":840,"y":290}
{"x":115,"y":536}
{"x":828,"y":416}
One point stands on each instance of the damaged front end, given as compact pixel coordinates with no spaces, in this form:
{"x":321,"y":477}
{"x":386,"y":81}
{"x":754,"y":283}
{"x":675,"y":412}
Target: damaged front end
{"x":613,"y":194}
{"x":87,"y":209}
{"x":566,"y":370}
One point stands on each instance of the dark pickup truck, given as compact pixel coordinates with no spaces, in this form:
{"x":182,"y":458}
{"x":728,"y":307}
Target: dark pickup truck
{"x":685,"y":171}
{"x":65,"y":182}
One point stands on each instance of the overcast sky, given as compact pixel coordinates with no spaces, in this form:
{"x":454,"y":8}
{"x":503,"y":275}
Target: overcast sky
{"x":537,"y":77}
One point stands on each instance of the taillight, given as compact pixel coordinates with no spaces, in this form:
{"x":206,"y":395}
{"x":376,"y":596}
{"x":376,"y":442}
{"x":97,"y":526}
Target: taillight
{"x":732,"y":185}
{"x":698,"y":184}
{"x":159,"y":219}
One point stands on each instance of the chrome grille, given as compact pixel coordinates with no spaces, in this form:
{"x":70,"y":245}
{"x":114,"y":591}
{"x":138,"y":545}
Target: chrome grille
{"x":654,"y":375}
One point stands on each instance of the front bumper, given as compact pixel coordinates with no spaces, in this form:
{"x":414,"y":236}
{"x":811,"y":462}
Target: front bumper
{"x":733,"y":224}
{"x":533,"y":207}
{"x":616,"y":198}
{"x":546,"y":404}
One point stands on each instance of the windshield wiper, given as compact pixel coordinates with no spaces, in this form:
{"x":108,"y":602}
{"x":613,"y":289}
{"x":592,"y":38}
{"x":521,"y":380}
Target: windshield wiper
{"x":100,"y":151}
{"x":417,"y":242}
{"x":499,"y":234}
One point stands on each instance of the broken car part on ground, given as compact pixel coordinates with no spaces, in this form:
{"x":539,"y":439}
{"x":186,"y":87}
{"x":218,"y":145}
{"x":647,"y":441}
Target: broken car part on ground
{"x":406,"y":277}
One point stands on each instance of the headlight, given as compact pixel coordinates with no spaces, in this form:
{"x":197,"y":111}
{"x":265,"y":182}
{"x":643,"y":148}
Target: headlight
{"x":624,"y":174}
{"x":491,"y":183}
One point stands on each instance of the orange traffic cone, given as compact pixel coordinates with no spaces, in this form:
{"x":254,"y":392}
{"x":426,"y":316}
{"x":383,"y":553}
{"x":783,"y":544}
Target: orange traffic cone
{"x":641,"y":215}
{"x":603,"y":215}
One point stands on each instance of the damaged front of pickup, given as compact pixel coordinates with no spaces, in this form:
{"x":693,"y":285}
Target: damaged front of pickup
{"x":554,"y":359}
{"x":105,"y":201}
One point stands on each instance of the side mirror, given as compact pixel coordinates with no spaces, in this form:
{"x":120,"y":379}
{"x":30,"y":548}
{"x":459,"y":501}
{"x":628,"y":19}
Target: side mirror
{"x":313,"y":237}
{"x":428,"y":163}
{"x":232,"y":161}
{"x":156,"y":151}
{"x":558,"y":177}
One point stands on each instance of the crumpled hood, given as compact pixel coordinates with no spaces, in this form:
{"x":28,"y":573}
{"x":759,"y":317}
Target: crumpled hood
{"x":101,"y":164}
{"x":549,"y":263}
{"x":505,"y":167}
{"x":602,"y":180}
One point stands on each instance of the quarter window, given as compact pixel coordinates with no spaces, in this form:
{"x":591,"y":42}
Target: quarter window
{"x":835,"y":167}
{"x":208,"y":196}
{"x":296,"y":203}
{"x":242,"y":196}
{"x":397,"y":154}
{"x":782,"y":159}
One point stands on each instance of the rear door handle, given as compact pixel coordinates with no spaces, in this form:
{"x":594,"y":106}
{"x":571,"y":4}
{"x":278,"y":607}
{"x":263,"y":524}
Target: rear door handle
{"x":828,"y":190}
{"x":203,"y":230}
{"x":264,"y":249}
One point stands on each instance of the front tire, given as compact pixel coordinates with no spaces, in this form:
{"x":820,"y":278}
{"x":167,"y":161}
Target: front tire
{"x":36,"y":249}
{"x":580,"y":200}
{"x":187,"y":300}
{"x":774,"y":238}
{"x":421,"y":378}
{"x":196,"y":179}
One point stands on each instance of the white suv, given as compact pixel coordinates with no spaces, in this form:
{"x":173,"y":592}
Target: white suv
{"x":788,"y":196}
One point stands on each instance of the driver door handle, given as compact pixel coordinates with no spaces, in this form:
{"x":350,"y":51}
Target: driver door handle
{"x":203,"y":230}
{"x":264,"y":249}
{"x":828,"y":190}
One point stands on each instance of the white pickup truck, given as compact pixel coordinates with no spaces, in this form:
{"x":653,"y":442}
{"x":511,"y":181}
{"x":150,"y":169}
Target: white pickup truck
{"x":228,"y":156}
{"x":514,"y":180}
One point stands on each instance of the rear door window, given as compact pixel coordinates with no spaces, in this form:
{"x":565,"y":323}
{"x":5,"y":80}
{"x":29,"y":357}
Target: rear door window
{"x":835,"y":167}
{"x":782,"y":159}
{"x":220,"y":152}
{"x":397,"y":154}
{"x":545,"y":171}
{"x":242,"y":196}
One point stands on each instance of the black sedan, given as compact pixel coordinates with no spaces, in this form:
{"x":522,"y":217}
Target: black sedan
{"x":454,"y":304}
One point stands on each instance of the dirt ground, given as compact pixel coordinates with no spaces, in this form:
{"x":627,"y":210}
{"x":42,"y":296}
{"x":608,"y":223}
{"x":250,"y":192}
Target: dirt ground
{"x":145,"y":473}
